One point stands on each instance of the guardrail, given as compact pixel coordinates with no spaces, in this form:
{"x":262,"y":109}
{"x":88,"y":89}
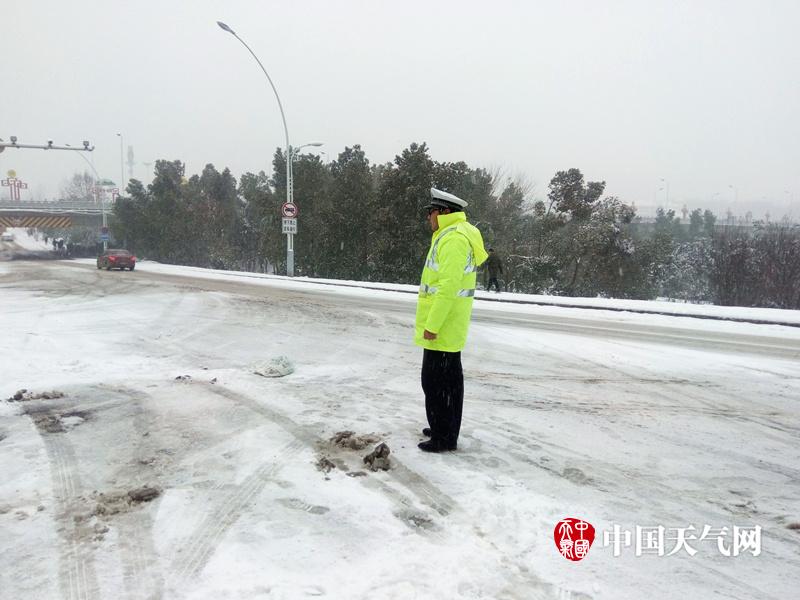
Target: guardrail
{"x":57,"y":207}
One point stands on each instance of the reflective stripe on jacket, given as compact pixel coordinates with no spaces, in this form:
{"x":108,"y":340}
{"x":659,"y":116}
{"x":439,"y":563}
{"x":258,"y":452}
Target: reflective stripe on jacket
{"x":447,"y":286}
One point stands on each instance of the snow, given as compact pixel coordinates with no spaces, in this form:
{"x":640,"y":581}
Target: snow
{"x":26,"y":241}
{"x":619,"y":418}
{"x":662,"y":307}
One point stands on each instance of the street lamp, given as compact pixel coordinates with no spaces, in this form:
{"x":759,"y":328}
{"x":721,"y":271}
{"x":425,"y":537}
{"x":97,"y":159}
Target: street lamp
{"x":666,"y":185}
{"x":121,"y":167}
{"x":102,"y":201}
{"x":289,"y":180}
{"x":296,"y":151}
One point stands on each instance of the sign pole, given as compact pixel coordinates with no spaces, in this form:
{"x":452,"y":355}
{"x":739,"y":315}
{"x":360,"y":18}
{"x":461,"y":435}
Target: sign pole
{"x":289,"y":212}
{"x":290,"y":254}
{"x":289,"y":207}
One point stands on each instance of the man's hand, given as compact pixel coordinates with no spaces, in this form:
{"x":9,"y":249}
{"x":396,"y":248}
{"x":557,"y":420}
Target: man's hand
{"x":428,"y":335}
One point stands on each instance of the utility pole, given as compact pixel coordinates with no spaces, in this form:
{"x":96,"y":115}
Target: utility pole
{"x":130,"y":163}
{"x":121,"y":167}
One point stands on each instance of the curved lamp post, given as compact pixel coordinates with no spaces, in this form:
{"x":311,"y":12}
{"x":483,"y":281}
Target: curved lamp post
{"x":296,"y":151}
{"x":289,"y":179}
{"x":102,"y":200}
{"x":666,"y":201}
{"x":121,"y":165}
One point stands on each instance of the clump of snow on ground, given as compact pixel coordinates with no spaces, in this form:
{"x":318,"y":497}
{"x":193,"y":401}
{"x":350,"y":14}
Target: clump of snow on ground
{"x":279,"y":366}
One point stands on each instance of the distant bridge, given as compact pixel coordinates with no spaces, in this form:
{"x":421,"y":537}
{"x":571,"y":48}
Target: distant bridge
{"x":57,"y":214}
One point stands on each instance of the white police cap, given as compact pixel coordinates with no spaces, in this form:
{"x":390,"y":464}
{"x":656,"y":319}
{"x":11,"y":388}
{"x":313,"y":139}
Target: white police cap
{"x":445,"y":200}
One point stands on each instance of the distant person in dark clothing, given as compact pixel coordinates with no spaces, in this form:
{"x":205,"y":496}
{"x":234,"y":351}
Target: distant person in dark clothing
{"x":494,"y":267}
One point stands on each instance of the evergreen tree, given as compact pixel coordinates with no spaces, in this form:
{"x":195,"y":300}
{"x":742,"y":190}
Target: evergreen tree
{"x":696,"y":224}
{"x":709,"y":221}
{"x":401,"y":233}
{"x":311,"y":194}
{"x":210,"y":204}
{"x":262,"y":240}
{"x":348,"y":217}
{"x":570,"y":195}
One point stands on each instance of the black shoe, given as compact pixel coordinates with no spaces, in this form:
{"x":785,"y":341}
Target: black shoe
{"x":426,"y":432}
{"x":435,"y":446}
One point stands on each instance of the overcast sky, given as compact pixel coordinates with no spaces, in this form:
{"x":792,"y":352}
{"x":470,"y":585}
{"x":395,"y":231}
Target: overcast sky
{"x":703,"y":93}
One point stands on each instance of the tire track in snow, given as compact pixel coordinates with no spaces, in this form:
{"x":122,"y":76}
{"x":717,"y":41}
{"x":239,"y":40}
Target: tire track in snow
{"x":138,"y":558}
{"x":141,"y":565}
{"x":139,"y":561}
{"x":200,"y":546}
{"x":504,"y":445}
{"x":408,"y":485}
{"x":77,"y":576}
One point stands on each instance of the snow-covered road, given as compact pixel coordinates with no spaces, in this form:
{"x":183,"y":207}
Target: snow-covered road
{"x":621,"y":419}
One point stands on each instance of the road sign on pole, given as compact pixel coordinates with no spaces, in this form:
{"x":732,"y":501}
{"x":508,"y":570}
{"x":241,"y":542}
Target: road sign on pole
{"x":289,"y":225}
{"x":289,"y":210}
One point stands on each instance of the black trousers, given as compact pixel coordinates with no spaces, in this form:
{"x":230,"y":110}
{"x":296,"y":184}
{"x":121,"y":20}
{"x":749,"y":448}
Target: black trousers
{"x":443,"y":384}
{"x":491,"y":281}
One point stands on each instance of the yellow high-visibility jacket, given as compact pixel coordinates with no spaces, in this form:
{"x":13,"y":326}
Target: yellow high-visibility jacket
{"x":448,"y":280}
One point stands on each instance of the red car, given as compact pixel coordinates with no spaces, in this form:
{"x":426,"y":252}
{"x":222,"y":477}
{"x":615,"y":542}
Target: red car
{"x":116,"y":259}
